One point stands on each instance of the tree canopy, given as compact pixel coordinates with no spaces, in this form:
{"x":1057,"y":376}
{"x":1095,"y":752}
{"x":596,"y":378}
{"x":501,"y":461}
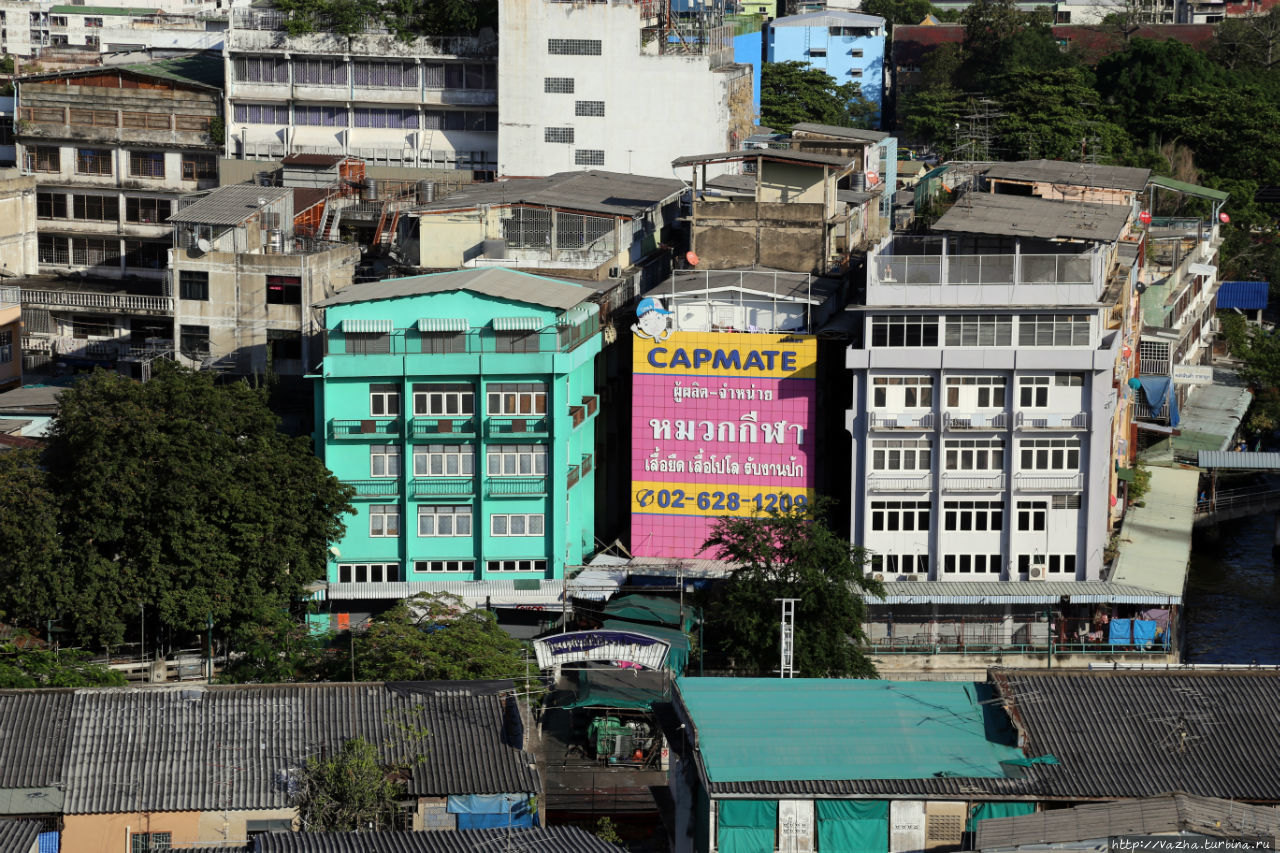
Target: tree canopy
{"x":33,"y":667}
{"x":406,"y":18}
{"x":792,"y":92}
{"x":790,"y":554}
{"x":350,"y":791}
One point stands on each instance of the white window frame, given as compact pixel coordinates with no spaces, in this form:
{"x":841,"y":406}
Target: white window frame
{"x":1033,"y":392}
{"x":979,"y":330}
{"x":973,"y":454}
{"x":968,"y":564}
{"x":1049,"y":454}
{"x":516,"y":565}
{"x":506,"y":524}
{"x":384,"y":521}
{"x":444,"y":400}
{"x":909,"y":330}
{"x":989,"y":392}
{"x":509,"y":460}
{"x":1054,"y":330}
{"x":388,"y":457}
{"x":901,"y":454}
{"x":460,"y":457}
{"x":917,"y":392}
{"x":434,"y":566}
{"x":438,"y":517}
{"x":894,"y":516}
{"x":350,"y":572}
{"x":384,"y":400}
{"x":1032,"y":516}
{"x":516,"y":399}
{"x":900,"y":564}
{"x":966,"y":516}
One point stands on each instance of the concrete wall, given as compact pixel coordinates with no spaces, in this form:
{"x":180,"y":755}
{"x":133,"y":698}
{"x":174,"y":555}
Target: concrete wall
{"x":729,"y":234}
{"x":17,"y":224}
{"x":110,"y":833}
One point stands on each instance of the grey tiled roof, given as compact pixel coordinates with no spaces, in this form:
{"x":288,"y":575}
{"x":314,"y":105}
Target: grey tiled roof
{"x":611,"y":193}
{"x":1024,"y":216}
{"x":560,"y":839}
{"x":491,"y":281}
{"x":233,"y":747}
{"x":1074,"y":174}
{"x":18,"y":836}
{"x":787,"y":155}
{"x":839,"y":132}
{"x":1132,"y":733}
{"x":229,"y":205}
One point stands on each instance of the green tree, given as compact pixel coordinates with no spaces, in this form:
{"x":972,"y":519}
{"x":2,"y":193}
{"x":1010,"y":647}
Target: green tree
{"x":1248,"y":42}
{"x":32,"y":667}
{"x":182,"y":494}
{"x":1055,"y":115}
{"x":1139,"y":80}
{"x":791,"y":555}
{"x":898,"y":11}
{"x":348,"y":792}
{"x":931,"y":115}
{"x":276,"y":647}
{"x":792,"y":92}
{"x":33,"y":587}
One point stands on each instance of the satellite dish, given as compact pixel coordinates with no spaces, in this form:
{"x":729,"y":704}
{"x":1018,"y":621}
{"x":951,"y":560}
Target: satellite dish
{"x":204,"y":246}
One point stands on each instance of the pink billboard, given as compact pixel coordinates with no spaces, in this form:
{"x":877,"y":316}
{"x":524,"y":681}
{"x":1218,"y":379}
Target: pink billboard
{"x":722,"y":424}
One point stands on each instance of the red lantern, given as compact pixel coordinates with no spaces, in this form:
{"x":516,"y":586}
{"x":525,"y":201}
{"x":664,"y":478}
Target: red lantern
{"x":1145,"y":217}
{"x":1224,"y":218}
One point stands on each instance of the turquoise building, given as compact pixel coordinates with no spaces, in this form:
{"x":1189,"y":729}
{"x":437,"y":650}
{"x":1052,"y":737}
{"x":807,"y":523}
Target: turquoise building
{"x":461,"y":407}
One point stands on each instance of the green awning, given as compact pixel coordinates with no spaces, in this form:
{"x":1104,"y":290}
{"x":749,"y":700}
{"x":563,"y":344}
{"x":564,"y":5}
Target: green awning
{"x":1125,"y":474}
{"x":652,"y":610}
{"x":517,"y":324}
{"x":1187,"y":189}
{"x":367,"y":327}
{"x":604,"y":688}
{"x":443,"y":324}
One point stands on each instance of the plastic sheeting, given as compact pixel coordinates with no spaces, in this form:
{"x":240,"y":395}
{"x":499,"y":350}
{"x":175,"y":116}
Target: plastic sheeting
{"x":1134,"y":632}
{"x":47,"y":842}
{"x":651,"y":610}
{"x":853,"y":826}
{"x":603,"y":688}
{"x":746,"y":826}
{"x":1160,"y":392}
{"x":982,"y":811}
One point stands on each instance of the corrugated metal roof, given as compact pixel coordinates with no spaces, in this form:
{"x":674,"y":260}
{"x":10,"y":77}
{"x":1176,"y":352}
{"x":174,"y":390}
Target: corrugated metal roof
{"x":1024,"y":216}
{"x":196,"y":747}
{"x":33,"y":737}
{"x":1073,"y":174}
{"x":786,"y":155}
{"x":229,"y":205}
{"x":1155,"y":538}
{"x":1138,"y":734}
{"x":560,"y":839}
{"x":1240,"y":461}
{"x":610,"y":193}
{"x":1019,"y":592}
{"x":1211,"y":418}
{"x":18,"y":836}
{"x":829,"y":18}
{"x":1245,"y":295}
{"x":495,"y":593}
{"x":493,"y":281}
{"x":857,"y":133}
{"x":1170,"y":813}
{"x":1188,"y":189}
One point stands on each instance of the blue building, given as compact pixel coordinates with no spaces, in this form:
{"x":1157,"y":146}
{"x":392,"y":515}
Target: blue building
{"x":846,"y":45}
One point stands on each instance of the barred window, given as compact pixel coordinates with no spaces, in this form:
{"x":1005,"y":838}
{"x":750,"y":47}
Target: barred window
{"x":574,"y":47}
{"x":558,"y":134}
{"x":588,"y":108}
{"x":44,"y":159}
{"x":95,"y":208}
{"x":527,"y":228}
{"x":197,"y":166}
{"x":319,"y":72}
{"x":93,"y":161}
{"x":588,"y":157}
{"x":146,"y":164}
{"x":51,"y":206}
{"x":386,"y":117}
{"x":557,"y":85}
{"x":261,"y":113}
{"x":320,"y":116}
{"x":384,"y":75}
{"x":91,"y":251}
{"x":575,"y":231}
{"x":262,"y":69}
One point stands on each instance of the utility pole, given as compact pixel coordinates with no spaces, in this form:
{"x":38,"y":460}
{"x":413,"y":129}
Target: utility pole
{"x":787,"y":668}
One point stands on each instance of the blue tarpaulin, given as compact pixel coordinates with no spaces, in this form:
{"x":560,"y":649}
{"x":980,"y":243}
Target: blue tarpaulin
{"x":1134,"y":632}
{"x":48,"y":842}
{"x":1245,"y":295}
{"x":1159,"y":392}
{"x":490,"y":811}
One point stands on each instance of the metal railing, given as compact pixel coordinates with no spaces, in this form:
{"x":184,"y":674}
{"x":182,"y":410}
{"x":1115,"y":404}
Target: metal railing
{"x":442,"y":487}
{"x":368,"y":428}
{"x":510,"y":487}
{"x":1054,"y":420}
{"x":386,"y":487}
{"x":518,"y":427}
{"x":973,"y":481}
{"x":983,"y":269}
{"x":977,"y":420}
{"x":1039,"y":481}
{"x":882,"y":481}
{"x":911,"y":646}
{"x":902,"y":420}
{"x":108,"y":301}
{"x":462,"y":425}
{"x":1153,"y":366}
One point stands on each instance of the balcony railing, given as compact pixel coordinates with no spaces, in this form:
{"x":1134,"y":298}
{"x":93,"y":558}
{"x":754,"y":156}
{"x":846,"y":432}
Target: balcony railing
{"x":893,"y":481}
{"x":386,"y":487}
{"x":1004,"y":269}
{"x":515,"y":487}
{"x":1044,"y":481}
{"x":902,"y":420}
{"x":575,"y":473}
{"x":588,"y":462}
{"x":977,"y":420}
{"x":1053,"y":420}
{"x":369,"y":428}
{"x":461,"y":427}
{"x":973,"y":481}
{"x":442,"y":487}
{"x":106,"y":301}
{"x":519,"y":427}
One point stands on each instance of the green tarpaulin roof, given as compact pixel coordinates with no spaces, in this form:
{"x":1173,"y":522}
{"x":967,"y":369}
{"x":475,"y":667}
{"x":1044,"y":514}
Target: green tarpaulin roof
{"x":1187,"y":189}
{"x":604,"y":688}
{"x":827,"y":729}
{"x":677,"y":655}
{"x":651,"y":609}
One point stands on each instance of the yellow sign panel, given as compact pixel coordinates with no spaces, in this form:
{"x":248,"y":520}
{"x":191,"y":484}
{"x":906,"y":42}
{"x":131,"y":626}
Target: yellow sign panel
{"x":728,"y":354}
{"x":701,"y":499}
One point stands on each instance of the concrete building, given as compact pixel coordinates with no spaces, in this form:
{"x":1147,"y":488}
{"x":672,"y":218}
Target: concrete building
{"x":34,"y":28}
{"x":8,"y":151}
{"x":10,"y":337}
{"x":17,"y":224}
{"x":427,"y":103}
{"x":111,"y":149}
{"x":461,"y":406}
{"x":848,"y":46}
{"x":619,"y":86}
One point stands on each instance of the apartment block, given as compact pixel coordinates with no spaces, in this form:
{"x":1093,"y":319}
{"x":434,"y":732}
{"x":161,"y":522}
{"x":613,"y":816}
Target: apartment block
{"x":848,"y":46}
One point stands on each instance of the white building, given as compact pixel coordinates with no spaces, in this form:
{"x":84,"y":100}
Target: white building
{"x":983,"y":397}
{"x":609,"y":85}
{"x":30,"y":29}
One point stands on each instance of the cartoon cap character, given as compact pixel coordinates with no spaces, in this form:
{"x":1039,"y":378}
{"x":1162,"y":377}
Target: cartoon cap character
{"x":651,"y":320}
{"x":650,"y":303}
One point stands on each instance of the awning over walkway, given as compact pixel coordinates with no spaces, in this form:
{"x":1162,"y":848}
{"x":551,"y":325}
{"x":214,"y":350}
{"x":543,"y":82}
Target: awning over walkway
{"x":1018,"y":592}
{"x":1212,"y":418}
{"x":1187,"y":189}
{"x":1155,"y":539}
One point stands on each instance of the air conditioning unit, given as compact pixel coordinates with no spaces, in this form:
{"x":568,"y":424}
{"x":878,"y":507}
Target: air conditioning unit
{"x":1036,"y":573}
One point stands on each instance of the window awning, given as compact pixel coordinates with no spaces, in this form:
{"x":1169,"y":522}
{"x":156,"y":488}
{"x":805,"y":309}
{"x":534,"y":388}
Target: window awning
{"x":1187,"y":189}
{"x":577,"y":314}
{"x":517,"y":324}
{"x":372,"y":327}
{"x":443,"y":324}
{"x":1202,"y":269}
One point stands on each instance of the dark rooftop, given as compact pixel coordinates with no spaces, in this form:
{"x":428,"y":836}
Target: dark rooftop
{"x":811,"y":129}
{"x":610,"y":193}
{"x":204,"y":70}
{"x":320,"y":161}
{"x":560,"y":839}
{"x":1025,"y":216}
{"x":18,"y":836}
{"x":229,"y":205}
{"x":781,"y":155}
{"x":1072,"y":174}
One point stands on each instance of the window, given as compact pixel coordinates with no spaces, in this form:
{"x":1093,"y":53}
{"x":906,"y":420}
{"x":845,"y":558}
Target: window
{"x":588,"y":108}
{"x":574,"y":47}
{"x":1033,"y":392}
{"x":901,"y":454}
{"x":516,"y":460}
{"x":445,"y":566}
{"x":855,"y":72}
{"x":95,"y":208}
{"x":972,"y":564}
{"x":6,"y":133}
{"x":6,"y":347}
{"x":384,"y":460}
{"x":84,"y":328}
{"x":972,"y":515}
{"x":319,"y":116}
{"x":193,"y":341}
{"x":262,"y":69}
{"x":195,"y":124}
{"x":444,"y":460}
{"x":93,"y":161}
{"x":193,"y":285}
{"x":516,"y":524}
{"x":284,"y":290}
{"x":1068,"y":380}
{"x":384,"y":399}
{"x":96,"y":118}
{"x":141,"y":842}
{"x":1050,"y":454}
{"x":92,"y":23}
{"x":475,"y":121}
{"x":146,"y":164}
{"x":367,"y":343}
{"x":470,"y":75}
{"x":51,"y":249}
{"x":899,"y":515}
{"x":1065,"y":502}
{"x":907,"y":330}
{"x":817,"y":52}
{"x":588,"y":157}
{"x":1048,"y":330}
{"x":517,"y":398}
{"x":910,"y":392}
{"x":147,"y":209}
{"x":319,"y":72}
{"x":982,"y":392}
{"x":979,"y":330}
{"x":44,"y":158}
{"x":261,"y":113}
{"x":441,"y":343}
{"x":515,"y":566}
{"x":57,"y":20}
{"x":558,"y":134}
{"x":1062,"y":564}
{"x":150,"y":256}
{"x":390,"y":117}
{"x":384,"y":75}
{"x":90,"y":252}
{"x":51,"y":206}
{"x":284,"y":345}
{"x":444,"y":521}
{"x":1032,"y":516}
{"x":45,"y":115}
{"x":515,"y":340}
{"x":197,"y":167}
{"x":895,"y":564}
{"x":144,"y":121}
{"x":975,"y":454}
{"x":856,"y":53}
{"x":456,"y":399}
{"x":557,"y":85}
{"x":369,"y":573}
{"x":384,"y":520}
